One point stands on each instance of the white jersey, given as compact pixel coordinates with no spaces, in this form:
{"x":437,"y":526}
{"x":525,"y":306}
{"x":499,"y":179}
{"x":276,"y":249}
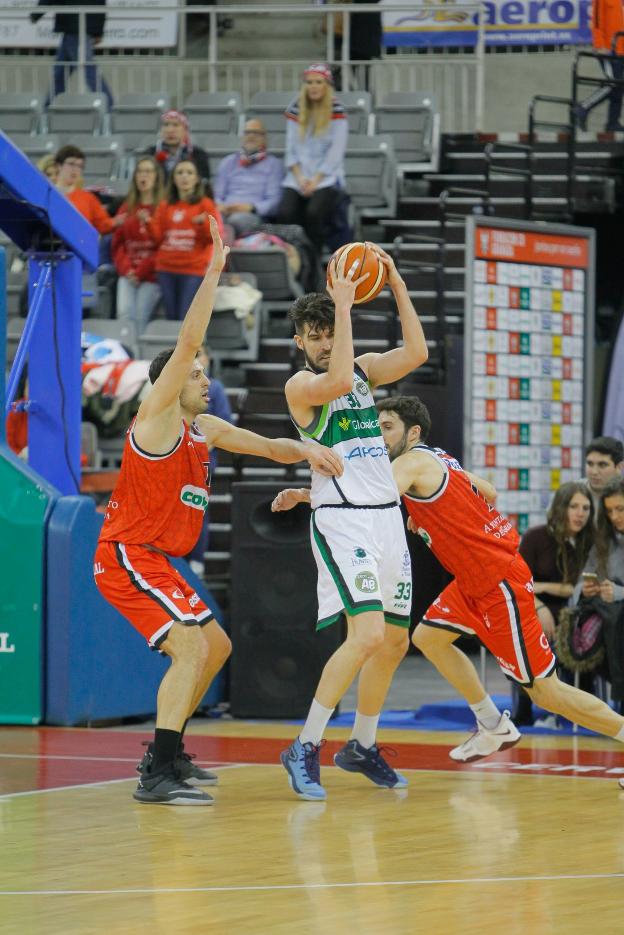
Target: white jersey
{"x":349,"y":425}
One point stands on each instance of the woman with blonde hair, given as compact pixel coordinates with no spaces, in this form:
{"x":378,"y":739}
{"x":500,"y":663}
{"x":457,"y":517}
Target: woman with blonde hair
{"x":316,"y":140}
{"x":49,"y":166}
{"x":134,"y":246}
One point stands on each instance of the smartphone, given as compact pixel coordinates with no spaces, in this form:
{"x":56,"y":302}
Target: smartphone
{"x":590,"y":576}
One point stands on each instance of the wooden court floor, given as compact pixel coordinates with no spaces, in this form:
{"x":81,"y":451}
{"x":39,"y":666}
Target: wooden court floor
{"x":530,"y":842}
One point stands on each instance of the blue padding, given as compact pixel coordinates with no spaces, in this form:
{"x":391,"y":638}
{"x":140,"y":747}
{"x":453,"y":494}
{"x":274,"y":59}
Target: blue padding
{"x":97,"y":666}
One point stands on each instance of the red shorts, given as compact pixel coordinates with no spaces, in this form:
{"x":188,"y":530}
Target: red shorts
{"x":146,"y":588}
{"x":504,"y":620}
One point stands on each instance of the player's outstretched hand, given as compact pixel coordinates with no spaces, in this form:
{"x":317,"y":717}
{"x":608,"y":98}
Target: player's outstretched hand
{"x":394,"y":277}
{"x":287,"y":499}
{"x":323,"y":460}
{"x":219,"y":252}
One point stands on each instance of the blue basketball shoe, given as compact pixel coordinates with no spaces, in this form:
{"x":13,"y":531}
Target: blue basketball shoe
{"x":302,"y":763}
{"x":354,"y":758}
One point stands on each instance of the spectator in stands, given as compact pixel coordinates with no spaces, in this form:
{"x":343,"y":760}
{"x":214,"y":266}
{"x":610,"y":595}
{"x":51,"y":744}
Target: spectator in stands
{"x":71,"y":161}
{"x":607,"y":20}
{"x":603,"y":580}
{"x":50,"y":167}
{"x":316,"y":139}
{"x":67,"y":54}
{"x":218,"y":405}
{"x":174,"y":145}
{"x":181,"y":228}
{"x":556,"y":554}
{"x":134,"y":246}
{"x":248,"y":186}
{"x":604,"y":462}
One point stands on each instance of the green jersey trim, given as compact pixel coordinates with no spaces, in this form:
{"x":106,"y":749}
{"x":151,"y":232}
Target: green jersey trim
{"x":321,"y":422}
{"x":398,"y":620}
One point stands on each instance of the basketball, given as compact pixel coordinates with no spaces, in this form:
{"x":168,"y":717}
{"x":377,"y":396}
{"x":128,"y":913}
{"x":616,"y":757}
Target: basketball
{"x":367,"y":262}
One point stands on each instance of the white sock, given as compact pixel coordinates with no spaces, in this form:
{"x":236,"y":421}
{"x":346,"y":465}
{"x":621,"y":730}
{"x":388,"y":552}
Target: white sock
{"x":486,"y":713}
{"x":316,"y":722}
{"x":620,"y":735}
{"x":365,"y":729}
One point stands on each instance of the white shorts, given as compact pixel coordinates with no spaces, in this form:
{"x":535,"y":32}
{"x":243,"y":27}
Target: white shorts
{"x":363,"y":563}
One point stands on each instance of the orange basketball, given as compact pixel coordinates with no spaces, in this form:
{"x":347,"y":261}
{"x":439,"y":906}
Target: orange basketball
{"x":367,"y":262}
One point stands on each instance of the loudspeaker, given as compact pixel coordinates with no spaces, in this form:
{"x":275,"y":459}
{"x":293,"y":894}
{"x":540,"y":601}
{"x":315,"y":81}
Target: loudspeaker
{"x":277,"y":657}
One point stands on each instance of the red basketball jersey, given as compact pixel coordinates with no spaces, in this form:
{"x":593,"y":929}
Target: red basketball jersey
{"x":470,"y":538}
{"x":160,"y":500}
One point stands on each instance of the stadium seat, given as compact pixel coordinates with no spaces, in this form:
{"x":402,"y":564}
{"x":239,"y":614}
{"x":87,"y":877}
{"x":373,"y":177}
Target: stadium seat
{"x":231,"y":337}
{"x":371,"y":172}
{"x":15,"y":326}
{"x":134,"y":116}
{"x":35,"y":146}
{"x":270,"y":267}
{"x":104,"y":156}
{"x":89,"y":446}
{"x":269,"y":107}
{"x":20,"y":113}
{"x":216,"y":112}
{"x":123,"y":331}
{"x":159,"y":335}
{"x":71,"y":113}
{"x":413,"y":122}
{"x":358,"y":105}
{"x":16,"y":279}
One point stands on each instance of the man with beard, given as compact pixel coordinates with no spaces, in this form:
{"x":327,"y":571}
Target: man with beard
{"x":358,"y":537}
{"x":156,"y":511}
{"x":492,"y":594}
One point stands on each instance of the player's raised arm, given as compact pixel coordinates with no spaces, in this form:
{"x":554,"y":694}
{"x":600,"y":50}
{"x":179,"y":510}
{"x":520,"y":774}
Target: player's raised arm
{"x":395,"y":364}
{"x":166,"y":391}
{"x":221,"y":434}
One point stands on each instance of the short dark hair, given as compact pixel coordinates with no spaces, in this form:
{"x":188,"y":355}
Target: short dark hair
{"x":69,"y":152}
{"x":315,"y":309}
{"x":157,"y":365}
{"x":607,"y":445}
{"x":411,"y":411}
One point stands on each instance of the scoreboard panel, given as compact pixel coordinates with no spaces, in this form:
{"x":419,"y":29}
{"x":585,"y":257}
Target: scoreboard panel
{"x":527,"y":359}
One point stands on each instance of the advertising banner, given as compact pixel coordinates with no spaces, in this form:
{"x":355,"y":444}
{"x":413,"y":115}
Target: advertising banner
{"x":507,"y":22}
{"x":137,"y":28}
{"x":527,"y":390}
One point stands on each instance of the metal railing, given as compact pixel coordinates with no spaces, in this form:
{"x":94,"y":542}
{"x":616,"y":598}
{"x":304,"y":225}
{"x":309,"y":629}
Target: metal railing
{"x":457,"y":80}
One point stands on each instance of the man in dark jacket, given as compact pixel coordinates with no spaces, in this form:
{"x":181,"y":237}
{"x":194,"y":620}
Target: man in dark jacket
{"x":68,"y":52}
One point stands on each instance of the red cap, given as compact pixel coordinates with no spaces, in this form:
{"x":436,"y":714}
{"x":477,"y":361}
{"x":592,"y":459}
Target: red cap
{"x":320,"y":68}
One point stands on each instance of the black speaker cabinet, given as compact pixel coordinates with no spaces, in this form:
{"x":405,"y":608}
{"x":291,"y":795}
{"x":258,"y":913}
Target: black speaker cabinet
{"x":277,"y":657}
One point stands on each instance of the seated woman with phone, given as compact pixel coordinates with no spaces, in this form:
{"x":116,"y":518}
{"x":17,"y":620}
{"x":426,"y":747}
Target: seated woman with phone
{"x":603,"y":579}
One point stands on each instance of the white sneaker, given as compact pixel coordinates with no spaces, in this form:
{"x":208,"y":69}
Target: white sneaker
{"x":484,"y":742}
{"x":550,"y":721}
{"x":621,"y":783}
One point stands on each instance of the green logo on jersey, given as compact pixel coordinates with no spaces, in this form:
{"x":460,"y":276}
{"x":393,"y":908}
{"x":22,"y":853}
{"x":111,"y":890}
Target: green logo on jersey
{"x":344,"y":423}
{"x":360,"y":553}
{"x":366,"y":582}
{"x":194,"y":497}
{"x":424,"y":535}
{"x":361,"y":388}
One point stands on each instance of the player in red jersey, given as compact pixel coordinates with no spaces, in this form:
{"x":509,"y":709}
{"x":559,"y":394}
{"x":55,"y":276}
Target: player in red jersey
{"x":492,"y":594}
{"x":156,"y":511}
